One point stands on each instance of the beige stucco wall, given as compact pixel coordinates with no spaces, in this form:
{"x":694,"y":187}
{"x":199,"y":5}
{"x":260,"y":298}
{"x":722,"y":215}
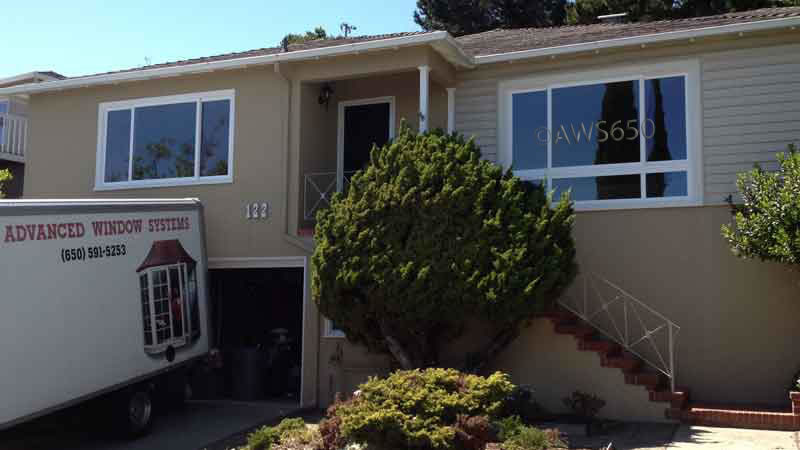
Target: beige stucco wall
{"x":738,"y":319}
{"x":63,"y":148}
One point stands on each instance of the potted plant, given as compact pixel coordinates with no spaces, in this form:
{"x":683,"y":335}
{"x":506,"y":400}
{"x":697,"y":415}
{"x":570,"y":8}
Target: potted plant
{"x":794,"y":396}
{"x":586,"y":406}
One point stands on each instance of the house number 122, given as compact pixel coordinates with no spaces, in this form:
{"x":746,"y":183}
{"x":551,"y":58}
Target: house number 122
{"x":256,"y":211}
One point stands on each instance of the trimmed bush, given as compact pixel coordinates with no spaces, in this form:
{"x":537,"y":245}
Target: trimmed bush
{"x":530,"y":438}
{"x":429,"y":234}
{"x":421,"y":409}
{"x":265,"y":437}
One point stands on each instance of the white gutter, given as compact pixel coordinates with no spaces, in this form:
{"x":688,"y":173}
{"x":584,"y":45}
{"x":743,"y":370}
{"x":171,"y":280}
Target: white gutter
{"x":762,"y":25}
{"x":135,"y":75}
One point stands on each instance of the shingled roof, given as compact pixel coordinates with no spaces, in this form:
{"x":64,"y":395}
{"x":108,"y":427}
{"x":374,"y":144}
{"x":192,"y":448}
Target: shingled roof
{"x":465,"y":51}
{"x":520,"y":39}
{"x":307,"y":45}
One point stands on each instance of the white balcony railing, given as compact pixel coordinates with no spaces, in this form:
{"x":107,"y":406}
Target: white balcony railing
{"x":318,"y":190}
{"x":13,"y":137}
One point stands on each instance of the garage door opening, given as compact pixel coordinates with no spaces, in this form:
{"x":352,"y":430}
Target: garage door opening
{"x":257,"y":318}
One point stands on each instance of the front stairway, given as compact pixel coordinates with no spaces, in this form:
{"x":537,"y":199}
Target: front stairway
{"x":612,"y":355}
{"x":676,"y":404}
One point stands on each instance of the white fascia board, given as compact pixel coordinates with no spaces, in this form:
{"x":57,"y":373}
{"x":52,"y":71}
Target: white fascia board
{"x":135,"y":75}
{"x":639,"y":40}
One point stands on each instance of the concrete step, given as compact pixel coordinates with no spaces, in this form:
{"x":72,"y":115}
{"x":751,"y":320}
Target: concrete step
{"x":736,"y":417}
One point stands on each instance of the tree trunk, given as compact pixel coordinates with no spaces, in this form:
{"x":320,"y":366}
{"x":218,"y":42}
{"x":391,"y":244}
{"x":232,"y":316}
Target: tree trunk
{"x":499,"y":342}
{"x":396,"y":349}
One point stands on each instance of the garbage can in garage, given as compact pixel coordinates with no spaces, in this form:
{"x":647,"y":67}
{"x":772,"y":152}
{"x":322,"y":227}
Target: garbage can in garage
{"x":248,"y":365}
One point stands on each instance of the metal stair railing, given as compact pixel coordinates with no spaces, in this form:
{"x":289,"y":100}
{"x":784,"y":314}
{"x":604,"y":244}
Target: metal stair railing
{"x":319,"y":187}
{"x":627,"y":321}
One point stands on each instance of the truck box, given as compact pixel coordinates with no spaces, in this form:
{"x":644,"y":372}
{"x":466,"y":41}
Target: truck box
{"x":97,"y":296}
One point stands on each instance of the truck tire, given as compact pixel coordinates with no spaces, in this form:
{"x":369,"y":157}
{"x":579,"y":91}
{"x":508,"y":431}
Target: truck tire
{"x":135,"y":412}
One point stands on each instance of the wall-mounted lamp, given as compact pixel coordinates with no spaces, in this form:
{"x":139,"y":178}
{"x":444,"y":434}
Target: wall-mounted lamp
{"x":325,"y":94}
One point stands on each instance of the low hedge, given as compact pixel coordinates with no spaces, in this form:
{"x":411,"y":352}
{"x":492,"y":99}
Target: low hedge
{"x":420,"y":409}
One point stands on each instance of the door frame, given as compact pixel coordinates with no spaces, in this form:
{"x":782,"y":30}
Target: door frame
{"x":308,"y":349}
{"x":340,"y":130}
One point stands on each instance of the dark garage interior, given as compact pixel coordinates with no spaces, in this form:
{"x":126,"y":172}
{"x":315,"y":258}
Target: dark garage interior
{"x":257,"y":323}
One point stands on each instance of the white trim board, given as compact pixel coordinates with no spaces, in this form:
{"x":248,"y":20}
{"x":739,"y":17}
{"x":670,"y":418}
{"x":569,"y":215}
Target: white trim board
{"x":277,"y":262}
{"x":267,"y":262}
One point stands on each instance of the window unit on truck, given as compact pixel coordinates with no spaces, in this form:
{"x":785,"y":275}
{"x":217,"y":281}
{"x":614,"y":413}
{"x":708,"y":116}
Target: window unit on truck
{"x":109,"y":295}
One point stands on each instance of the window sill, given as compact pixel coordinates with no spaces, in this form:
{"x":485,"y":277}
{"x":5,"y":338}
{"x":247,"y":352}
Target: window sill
{"x":334,"y":336}
{"x":174,"y":182}
{"x":607,"y":205}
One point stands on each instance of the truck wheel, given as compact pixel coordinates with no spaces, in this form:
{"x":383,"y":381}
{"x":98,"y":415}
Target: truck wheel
{"x":136,"y":412}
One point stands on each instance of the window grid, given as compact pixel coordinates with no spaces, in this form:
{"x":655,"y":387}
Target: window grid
{"x":163,"y":315}
{"x":641,"y":168}
{"x":145,"y":295}
{"x":199,"y":99}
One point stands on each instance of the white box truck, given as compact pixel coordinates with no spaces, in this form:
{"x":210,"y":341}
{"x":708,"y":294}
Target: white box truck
{"x":99,"y":299}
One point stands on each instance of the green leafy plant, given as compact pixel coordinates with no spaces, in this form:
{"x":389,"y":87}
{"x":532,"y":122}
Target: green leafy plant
{"x":531,"y":438}
{"x":421,"y":409}
{"x":507,"y":427}
{"x":5,"y":176}
{"x":430,"y":234}
{"x":288,"y":429}
{"x":767,"y":223}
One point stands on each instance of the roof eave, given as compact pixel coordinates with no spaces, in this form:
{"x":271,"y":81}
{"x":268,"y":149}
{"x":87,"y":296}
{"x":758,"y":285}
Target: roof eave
{"x":719,"y":30}
{"x":440,"y":40}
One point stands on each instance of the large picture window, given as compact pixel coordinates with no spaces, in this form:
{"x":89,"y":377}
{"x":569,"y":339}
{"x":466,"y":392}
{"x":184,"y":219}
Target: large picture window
{"x":625,"y":141}
{"x":166,"y":141}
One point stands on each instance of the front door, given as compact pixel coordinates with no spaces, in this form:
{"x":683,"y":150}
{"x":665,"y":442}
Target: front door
{"x":363,"y":123}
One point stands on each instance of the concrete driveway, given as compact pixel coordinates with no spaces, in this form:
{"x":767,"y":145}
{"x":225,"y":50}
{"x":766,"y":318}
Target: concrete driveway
{"x":194,"y":427}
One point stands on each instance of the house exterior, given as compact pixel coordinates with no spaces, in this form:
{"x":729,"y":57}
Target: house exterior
{"x":647,"y":124}
{"x":14,"y":126}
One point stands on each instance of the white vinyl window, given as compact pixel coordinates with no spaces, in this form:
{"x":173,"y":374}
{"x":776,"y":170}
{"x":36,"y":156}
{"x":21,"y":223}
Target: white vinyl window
{"x":166,"y":141}
{"x":331,"y":331}
{"x":615,"y":139}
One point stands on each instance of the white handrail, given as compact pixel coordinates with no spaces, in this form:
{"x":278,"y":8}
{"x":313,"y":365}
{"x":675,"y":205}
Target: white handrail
{"x":595,"y":309}
{"x":13,"y":137}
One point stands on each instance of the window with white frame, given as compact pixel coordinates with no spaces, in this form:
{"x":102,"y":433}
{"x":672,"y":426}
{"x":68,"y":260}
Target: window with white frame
{"x":331,"y":330}
{"x":624,"y":140}
{"x":164,"y":141}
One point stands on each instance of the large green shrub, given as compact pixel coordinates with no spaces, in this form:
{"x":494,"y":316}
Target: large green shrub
{"x":767,"y":223}
{"x":422,"y":409}
{"x":429,"y":235}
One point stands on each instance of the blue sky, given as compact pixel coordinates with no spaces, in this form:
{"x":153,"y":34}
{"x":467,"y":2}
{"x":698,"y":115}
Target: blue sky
{"x":85,"y":37}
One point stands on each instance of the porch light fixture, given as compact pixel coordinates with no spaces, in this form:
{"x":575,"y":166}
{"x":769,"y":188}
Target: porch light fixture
{"x":325,"y":94}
